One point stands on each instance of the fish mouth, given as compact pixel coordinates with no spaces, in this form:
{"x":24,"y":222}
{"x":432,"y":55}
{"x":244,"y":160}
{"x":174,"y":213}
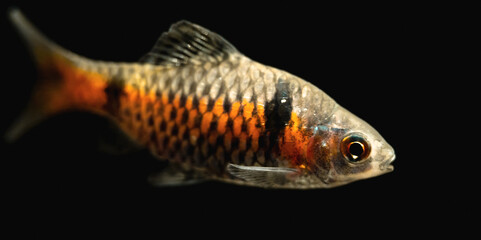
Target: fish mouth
{"x":387,"y":166}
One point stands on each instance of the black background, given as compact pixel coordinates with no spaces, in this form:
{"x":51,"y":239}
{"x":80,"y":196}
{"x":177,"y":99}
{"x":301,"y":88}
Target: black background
{"x":371,"y":59}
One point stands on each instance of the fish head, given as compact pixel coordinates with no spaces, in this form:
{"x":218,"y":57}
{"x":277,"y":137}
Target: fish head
{"x":348,"y":149}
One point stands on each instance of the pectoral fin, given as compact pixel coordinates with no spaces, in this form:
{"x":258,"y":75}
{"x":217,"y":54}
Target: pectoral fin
{"x":263,"y":176}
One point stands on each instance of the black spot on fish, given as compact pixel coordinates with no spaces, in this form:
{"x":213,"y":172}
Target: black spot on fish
{"x":248,"y":143}
{"x":182,"y":100}
{"x":211,"y":149}
{"x":227,"y":106}
{"x":190,"y":150}
{"x":150,"y":120}
{"x":185,"y":135}
{"x":173,"y":113}
{"x":171,"y":96}
{"x":153,"y":137}
{"x":230,"y":123}
{"x":241,"y":157}
{"x":278,"y":115}
{"x":195,"y":103}
{"x":283,"y":100}
{"x":220,"y":141}
{"x":234,"y":143}
{"x":175,"y":130}
{"x":244,"y":126}
{"x":163,"y":126}
{"x":210,"y":105}
{"x":278,"y":110}
{"x":185,"y":117}
{"x":213,"y":126}
{"x":262,"y":141}
{"x":114,"y":91}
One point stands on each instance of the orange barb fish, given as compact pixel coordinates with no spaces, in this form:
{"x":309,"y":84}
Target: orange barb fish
{"x":214,"y":114}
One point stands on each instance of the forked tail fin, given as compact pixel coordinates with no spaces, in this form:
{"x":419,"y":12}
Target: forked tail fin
{"x":63,"y":81}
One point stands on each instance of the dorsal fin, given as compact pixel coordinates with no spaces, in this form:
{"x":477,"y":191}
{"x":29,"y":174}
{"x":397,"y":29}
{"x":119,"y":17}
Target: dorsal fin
{"x":187,"y":42}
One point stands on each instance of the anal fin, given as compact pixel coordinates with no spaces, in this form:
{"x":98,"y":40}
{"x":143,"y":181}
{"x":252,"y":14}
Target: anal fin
{"x":172,"y":176}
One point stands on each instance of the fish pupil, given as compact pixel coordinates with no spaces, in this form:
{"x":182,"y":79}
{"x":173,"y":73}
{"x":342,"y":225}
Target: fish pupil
{"x":356,"y":149}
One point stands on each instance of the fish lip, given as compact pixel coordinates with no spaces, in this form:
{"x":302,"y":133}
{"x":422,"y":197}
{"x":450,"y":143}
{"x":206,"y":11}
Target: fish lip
{"x":387,"y":166}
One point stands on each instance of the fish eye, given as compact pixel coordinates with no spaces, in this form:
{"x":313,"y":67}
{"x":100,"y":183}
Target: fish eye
{"x":355,"y":148}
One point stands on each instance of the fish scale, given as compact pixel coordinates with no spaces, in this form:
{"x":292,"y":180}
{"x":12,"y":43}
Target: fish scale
{"x":211,"y":112}
{"x":211,"y":126}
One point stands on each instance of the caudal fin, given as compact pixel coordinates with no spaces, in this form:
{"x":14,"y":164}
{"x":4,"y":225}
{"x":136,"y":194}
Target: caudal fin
{"x":63,"y":81}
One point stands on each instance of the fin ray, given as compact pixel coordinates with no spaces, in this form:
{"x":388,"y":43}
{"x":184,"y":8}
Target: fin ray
{"x":172,"y":176}
{"x":187,"y":42}
{"x":41,"y":47}
{"x":263,"y":176}
{"x":62,"y":83}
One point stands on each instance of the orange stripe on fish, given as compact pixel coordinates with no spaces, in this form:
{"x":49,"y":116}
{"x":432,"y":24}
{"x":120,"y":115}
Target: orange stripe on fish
{"x":222,"y":123}
{"x":247,"y":109}
{"x":176,"y":101}
{"x":203,"y":102}
{"x":206,"y":121}
{"x":252,"y":126}
{"x":180,"y":116}
{"x":218,"y":106}
{"x":261,"y":114}
{"x":238,"y":126}
{"x":234,"y":111}
{"x":77,"y":88}
{"x":294,"y":143}
{"x":192,"y":117}
{"x":167,"y":112}
{"x":189,"y":102}
{"x":170,"y":128}
{"x":165,"y":97}
{"x":182,"y":131}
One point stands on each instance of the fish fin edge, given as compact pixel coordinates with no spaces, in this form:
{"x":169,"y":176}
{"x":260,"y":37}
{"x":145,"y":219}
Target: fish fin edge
{"x":263,"y":176}
{"x":62,"y":82}
{"x":172,"y":176}
{"x":42,"y":50}
{"x":53,"y":62}
{"x":186,"y":42}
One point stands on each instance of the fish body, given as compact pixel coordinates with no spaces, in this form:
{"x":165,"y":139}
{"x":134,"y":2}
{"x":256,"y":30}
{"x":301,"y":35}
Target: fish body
{"x":214,"y":114}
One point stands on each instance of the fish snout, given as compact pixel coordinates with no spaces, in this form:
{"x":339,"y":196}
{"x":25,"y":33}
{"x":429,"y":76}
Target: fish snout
{"x":388,"y":157}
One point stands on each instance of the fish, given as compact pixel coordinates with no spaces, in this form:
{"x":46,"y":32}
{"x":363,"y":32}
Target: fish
{"x":210,"y":112}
